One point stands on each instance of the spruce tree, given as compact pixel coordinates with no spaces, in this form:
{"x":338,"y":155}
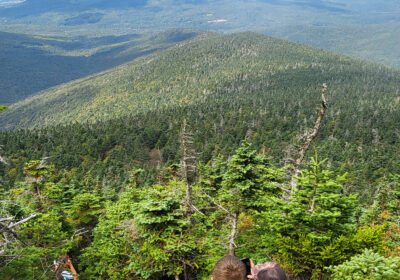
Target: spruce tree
{"x":309,"y":223}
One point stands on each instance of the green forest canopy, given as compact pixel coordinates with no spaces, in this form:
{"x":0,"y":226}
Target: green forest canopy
{"x":109,"y":189}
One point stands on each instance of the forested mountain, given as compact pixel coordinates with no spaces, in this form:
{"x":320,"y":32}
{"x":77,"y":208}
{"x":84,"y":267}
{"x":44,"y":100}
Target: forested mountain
{"x":45,"y":43}
{"x":157,"y":168}
{"x":30,"y":63}
{"x":227,"y":87}
{"x":201,"y":70}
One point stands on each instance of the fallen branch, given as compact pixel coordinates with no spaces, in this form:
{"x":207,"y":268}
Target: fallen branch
{"x":22,"y":221}
{"x":7,"y":229}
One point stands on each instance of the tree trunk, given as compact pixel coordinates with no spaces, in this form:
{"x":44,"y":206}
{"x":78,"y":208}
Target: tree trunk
{"x":185,"y":274}
{"x":232,"y":235}
{"x":309,"y":138}
{"x":188,"y":165}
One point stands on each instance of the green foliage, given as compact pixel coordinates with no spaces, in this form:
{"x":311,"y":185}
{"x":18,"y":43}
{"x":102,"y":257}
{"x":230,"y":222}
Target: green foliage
{"x":164,"y":232}
{"x":48,"y":240}
{"x":145,"y":234}
{"x":385,"y":210}
{"x":224,"y":99}
{"x":242,"y":183}
{"x":368,"y":266}
{"x":317,"y":208}
{"x":308,"y":258}
{"x":85,"y":209}
{"x":2,"y":108}
{"x":314,"y":223}
{"x":109,"y":254}
{"x":234,"y":192}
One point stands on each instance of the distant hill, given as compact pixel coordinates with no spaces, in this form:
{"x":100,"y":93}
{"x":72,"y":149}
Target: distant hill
{"x":33,"y":63}
{"x":361,"y":28}
{"x":379,"y":43}
{"x":37,"y":7}
{"x":237,"y":14}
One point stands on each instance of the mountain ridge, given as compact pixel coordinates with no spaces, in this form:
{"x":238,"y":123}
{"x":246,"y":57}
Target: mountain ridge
{"x":179,"y":75}
{"x":37,"y":62}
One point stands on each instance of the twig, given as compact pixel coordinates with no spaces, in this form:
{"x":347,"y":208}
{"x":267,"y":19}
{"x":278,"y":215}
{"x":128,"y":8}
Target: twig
{"x":215,"y":203}
{"x":22,"y":221}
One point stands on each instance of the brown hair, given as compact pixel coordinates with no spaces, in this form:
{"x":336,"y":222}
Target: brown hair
{"x":229,"y":268}
{"x":272,"y":273}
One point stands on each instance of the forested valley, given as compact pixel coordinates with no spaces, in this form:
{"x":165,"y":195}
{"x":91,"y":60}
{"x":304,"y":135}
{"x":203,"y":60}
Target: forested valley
{"x":186,"y":155}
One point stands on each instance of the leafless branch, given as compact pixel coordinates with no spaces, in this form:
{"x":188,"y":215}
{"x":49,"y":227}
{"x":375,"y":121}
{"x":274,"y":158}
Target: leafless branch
{"x":11,"y":225}
{"x":216,"y":203}
{"x":197,"y":210}
{"x":7,"y":231}
{"x":3,"y":160}
{"x":309,"y":138}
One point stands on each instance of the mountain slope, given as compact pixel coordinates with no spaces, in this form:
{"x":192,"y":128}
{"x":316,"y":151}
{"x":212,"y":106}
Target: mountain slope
{"x":227,"y":87}
{"x":201,"y":69}
{"x":33,"y":63}
{"x":378,"y":43}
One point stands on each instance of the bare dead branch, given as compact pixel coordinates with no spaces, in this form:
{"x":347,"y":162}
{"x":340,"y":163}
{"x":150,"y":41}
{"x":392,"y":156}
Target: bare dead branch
{"x":4,"y":229}
{"x":197,"y":210}
{"x":7,"y":229}
{"x":216,"y":203}
{"x":11,"y":225}
{"x":232,"y":235}
{"x":3,"y":160}
{"x":309,"y":138}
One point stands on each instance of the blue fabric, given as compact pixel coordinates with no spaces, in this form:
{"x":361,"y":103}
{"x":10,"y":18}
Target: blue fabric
{"x":67,"y":275}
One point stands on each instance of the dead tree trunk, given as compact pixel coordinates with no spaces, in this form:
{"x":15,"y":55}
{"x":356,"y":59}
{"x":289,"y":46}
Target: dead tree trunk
{"x":188,"y":167}
{"x":309,"y":138}
{"x":188,"y":164}
{"x":232,"y":235}
{"x":233,"y":219}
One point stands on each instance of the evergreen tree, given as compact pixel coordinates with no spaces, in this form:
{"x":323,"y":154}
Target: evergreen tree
{"x":310,"y":224}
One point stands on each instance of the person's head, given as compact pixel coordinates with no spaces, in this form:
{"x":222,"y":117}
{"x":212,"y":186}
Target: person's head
{"x":272,"y":273}
{"x":229,"y":268}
